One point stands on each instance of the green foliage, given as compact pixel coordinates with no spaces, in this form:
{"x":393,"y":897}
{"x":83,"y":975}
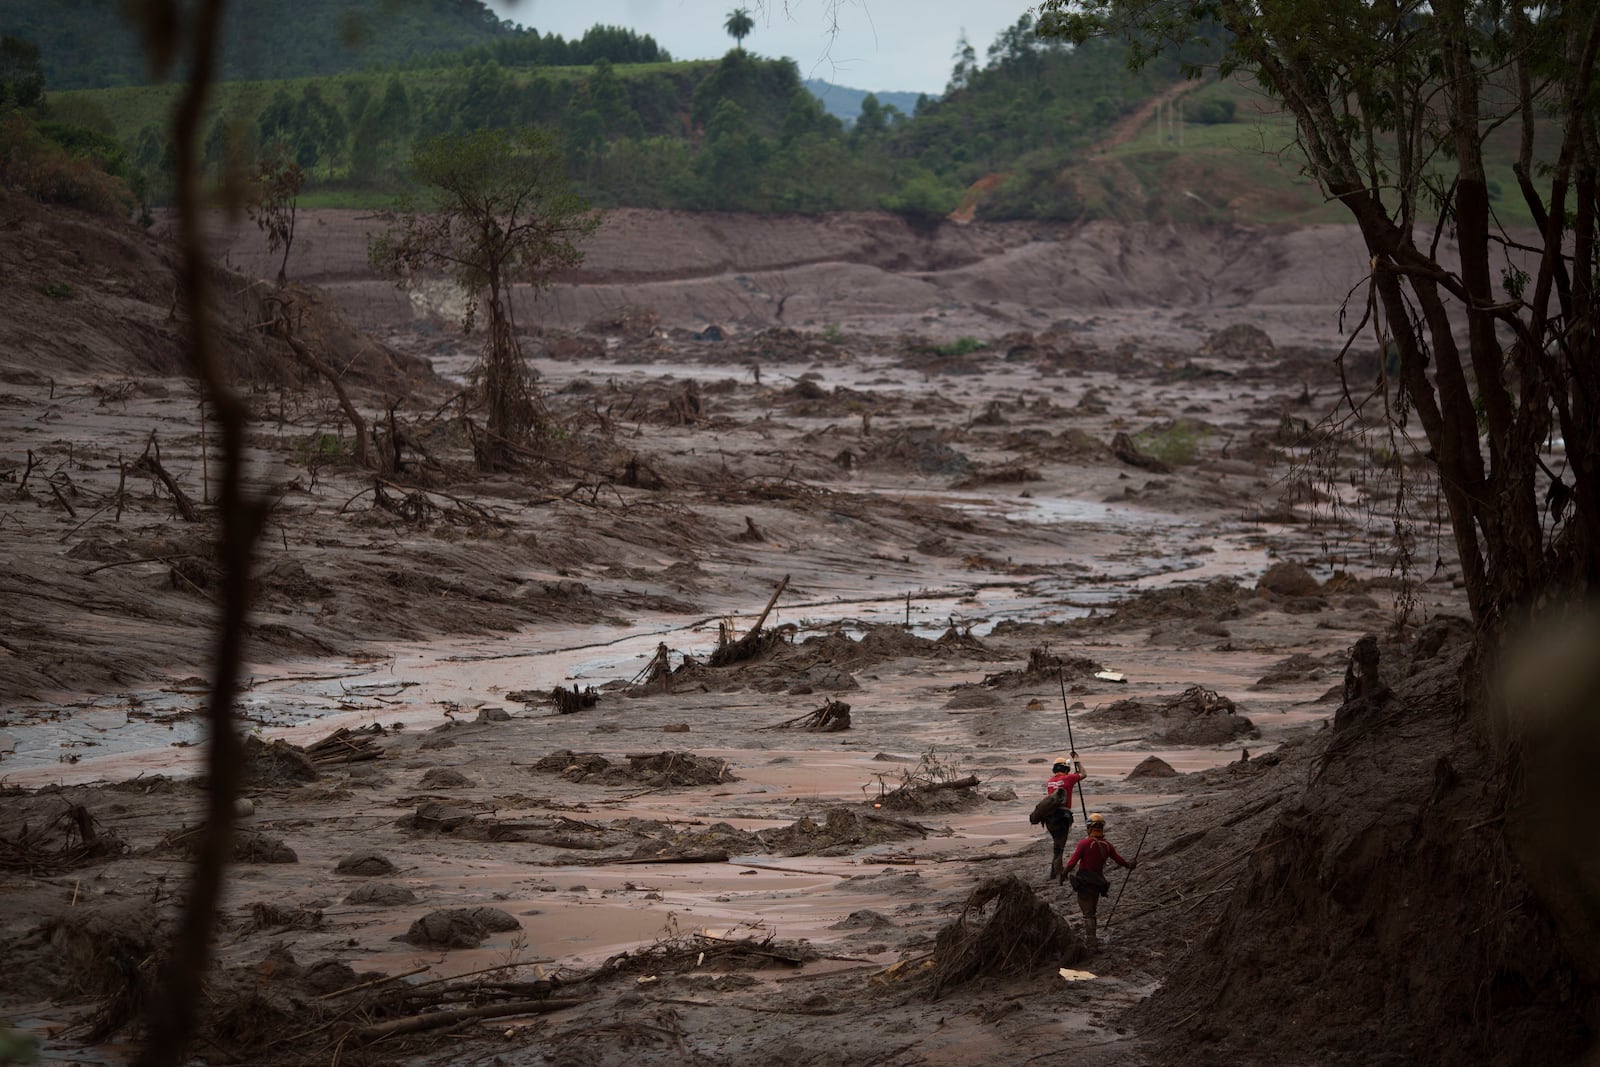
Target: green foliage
{"x":739,"y":25}
{"x":21,"y":78}
{"x":1034,"y":94}
{"x":923,"y":198}
{"x":1175,"y":445}
{"x":87,"y":44}
{"x":35,"y":162}
{"x":1037,"y":190}
{"x":961,"y":346}
{"x":58,"y":290}
{"x":321,"y":447}
{"x":17,"y":1048}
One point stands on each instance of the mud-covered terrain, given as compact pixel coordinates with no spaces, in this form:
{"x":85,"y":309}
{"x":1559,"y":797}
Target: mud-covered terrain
{"x":692,"y":851}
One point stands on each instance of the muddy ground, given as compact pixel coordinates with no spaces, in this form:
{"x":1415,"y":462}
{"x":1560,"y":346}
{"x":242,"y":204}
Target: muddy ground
{"x":682,"y":871}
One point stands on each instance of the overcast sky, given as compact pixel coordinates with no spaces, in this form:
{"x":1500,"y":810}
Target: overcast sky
{"x":881,"y":45}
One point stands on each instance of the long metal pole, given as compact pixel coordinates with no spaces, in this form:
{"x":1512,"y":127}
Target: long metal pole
{"x":1082,"y":803}
{"x":1124,"y":884}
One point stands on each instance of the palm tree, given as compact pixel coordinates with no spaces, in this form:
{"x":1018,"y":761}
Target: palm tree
{"x":739,"y":25}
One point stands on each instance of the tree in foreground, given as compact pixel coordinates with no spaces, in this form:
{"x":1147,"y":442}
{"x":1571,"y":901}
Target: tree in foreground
{"x":1400,"y":106}
{"x":1395,"y":104}
{"x":739,"y":25}
{"x":495,"y":211}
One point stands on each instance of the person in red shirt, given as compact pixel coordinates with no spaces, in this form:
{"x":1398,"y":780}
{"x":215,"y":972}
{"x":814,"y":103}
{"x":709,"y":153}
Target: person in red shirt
{"x":1064,"y":776}
{"x":1085,"y":869}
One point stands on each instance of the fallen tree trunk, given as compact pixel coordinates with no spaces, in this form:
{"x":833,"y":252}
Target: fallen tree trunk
{"x":432,"y":1020}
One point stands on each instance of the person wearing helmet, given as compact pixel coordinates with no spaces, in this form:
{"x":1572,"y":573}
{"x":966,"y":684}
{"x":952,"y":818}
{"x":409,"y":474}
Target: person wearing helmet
{"x":1086,"y":871}
{"x":1065,"y":773}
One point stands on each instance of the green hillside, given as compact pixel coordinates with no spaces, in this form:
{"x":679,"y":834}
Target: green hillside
{"x":87,"y":43}
{"x":1039,"y":130}
{"x":742,"y":133}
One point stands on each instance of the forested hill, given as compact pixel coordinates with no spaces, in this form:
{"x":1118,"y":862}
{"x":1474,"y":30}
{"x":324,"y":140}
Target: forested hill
{"x":86,"y":44}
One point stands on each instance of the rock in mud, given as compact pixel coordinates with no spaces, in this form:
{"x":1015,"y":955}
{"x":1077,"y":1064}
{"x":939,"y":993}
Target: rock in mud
{"x":277,"y":763}
{"x":458,"y":927}
{"x":365,"y":865}
{"x":259,"y":848}
{"x":381,"y":894}
{"x":446,"y":778}
{"x":1241,"y":341}
{"x":1289,"y":579}
{"x":865,"y":919}
{"x":329,"y":976}
{"x":973,"y":698}
{"x":1152,"y":767}
{"x":493,"y":715}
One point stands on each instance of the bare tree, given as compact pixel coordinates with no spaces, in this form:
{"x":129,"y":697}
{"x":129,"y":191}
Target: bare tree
{"x":496,"y":210}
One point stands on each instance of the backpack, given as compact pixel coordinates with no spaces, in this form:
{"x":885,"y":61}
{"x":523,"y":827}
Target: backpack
{"x":1089,"y":882}
{"x":1047,"y":806}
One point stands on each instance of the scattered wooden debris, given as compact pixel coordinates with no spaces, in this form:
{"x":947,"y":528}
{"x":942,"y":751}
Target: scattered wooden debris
{"x":345,"y":746}
{"x":833,"y":716}
{"x":753,"y":643}
{"x":568,"y":701}
{"x":71,"y":839}
{"x":151,"y":464}
{"x":1198,"y":700}
{"x":1005,"y":928}
{"x":926,"y":786}
{"x":651,"y":770}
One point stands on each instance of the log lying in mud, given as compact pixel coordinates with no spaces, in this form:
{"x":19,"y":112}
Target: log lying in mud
{"x":151,"y":465}
{"x":687,"y":855}
{"x":433,"y":1020}
{"x":343,"y":746}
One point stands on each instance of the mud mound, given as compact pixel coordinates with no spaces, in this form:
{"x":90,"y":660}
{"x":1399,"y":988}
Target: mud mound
{"x":841,"y":832}
{"x":1393,"y":931}
{"x":1197,"y":716}
{"x":922,"y":450}
{"x":458,"y":927}
{"x":457,"y":820}
{"x":1219,"y":599}
{"x":877,"y":644}
{"x":719,"y":837}
{"x":276,"y":763}
{"x":1289,"y":579}
{"x":701,"y":951}
{"x":1151,"y":767}
{"x":1239,"y":342}
{"x":1005,"y":929}
{"x":1045,"y":667}
{"x":653,"y":770}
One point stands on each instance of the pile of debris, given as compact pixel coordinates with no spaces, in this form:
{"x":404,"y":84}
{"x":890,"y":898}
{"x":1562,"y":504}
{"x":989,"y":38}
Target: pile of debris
{"x":1045,"y":666}
{"x":652,"y":770}
{"x":841,"y":832}
{"x":1197,"y":716}
{"x":1005,"y":929}
{"x":833,"y":716}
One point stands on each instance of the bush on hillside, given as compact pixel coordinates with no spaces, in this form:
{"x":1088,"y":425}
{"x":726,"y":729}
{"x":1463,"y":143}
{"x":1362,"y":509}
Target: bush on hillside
{"x":40,"y":167}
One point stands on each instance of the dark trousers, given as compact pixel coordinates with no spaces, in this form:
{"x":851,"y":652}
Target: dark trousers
{"x":1060,"y":827}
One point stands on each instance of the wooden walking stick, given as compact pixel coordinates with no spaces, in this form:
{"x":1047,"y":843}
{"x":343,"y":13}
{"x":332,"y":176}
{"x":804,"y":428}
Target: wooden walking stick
{"x":1084,"y":804}
{"x":1124,"y":884}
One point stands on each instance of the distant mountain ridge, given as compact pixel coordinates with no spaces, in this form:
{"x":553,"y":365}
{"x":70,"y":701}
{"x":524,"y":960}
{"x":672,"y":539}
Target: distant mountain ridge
{"x":844,"y":103}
